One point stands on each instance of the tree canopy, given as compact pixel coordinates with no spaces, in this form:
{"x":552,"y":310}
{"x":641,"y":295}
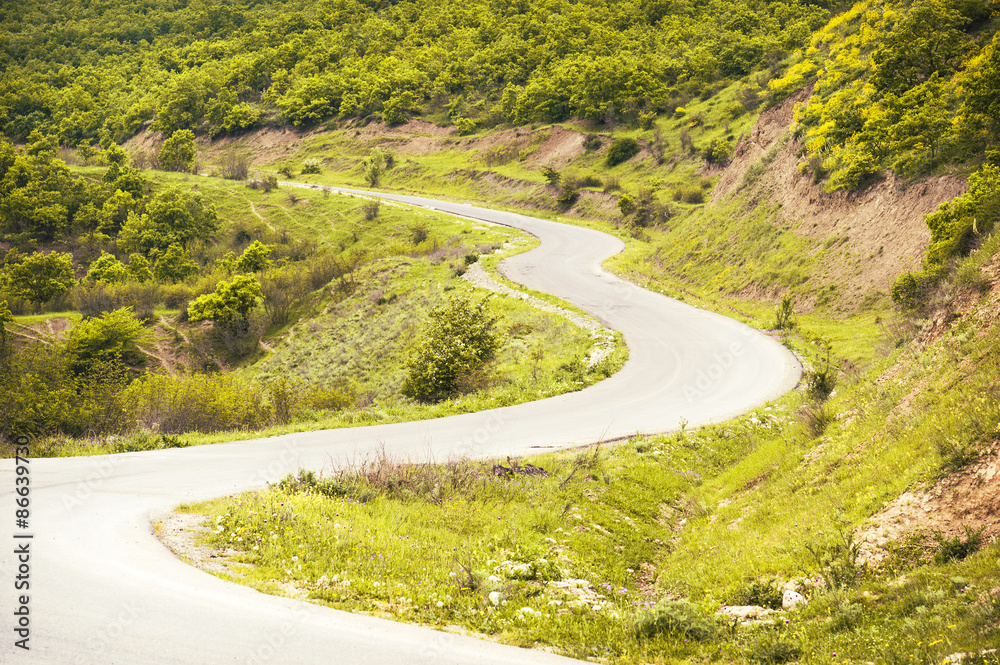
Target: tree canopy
{"x":93,"y":71}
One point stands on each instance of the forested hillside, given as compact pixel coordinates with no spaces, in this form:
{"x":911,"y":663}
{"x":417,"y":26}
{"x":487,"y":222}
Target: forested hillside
{"x":89,"y":70}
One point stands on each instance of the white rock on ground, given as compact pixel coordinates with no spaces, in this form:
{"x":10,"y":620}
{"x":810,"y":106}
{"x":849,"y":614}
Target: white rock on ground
{"x":792,"y":599}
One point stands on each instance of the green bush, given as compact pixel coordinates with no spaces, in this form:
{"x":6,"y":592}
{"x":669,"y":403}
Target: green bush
{"x":956,"y":549}
{"x":910,"y":290}
{"x":679,"y":617}
{"x":178,"y":151}
{"x":592,"y":143}
{"x":622,"y":150}
{"x":458,"y":341}
{"x":311,"y":166}
{"x":114,"y":335}
{"x":198,"y":403}
{"x":759,"y":592}
{"x":719,"y":151}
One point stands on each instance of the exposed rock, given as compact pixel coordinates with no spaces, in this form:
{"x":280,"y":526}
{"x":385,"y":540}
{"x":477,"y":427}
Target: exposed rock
{"x":792,"y":599}
{"x":745,"y":613}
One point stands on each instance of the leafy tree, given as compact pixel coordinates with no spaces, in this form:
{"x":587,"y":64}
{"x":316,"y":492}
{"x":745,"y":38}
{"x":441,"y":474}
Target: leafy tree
{"x":927,"y":40}
{"x":42,"y":145}
{"x":230,"y":305}
{"x":5,"y":318}
{"x":254,"y":258}
{"x":926,"y":119}
{"x":114,"y":155}
{"x":174,"y":265}
{"x":85,"y":151}
{"x":107,"y":269}
{"x":40,"y":277}
{"x":138,"y":268}
{"x":178,"y":151}
{"x":459,"y":340}
{"x":36,"y":195}
{"x":115,"y":335}
{"x":183,"y":103}
{"x":115,"y":212}
{"x":956,"y":223}
{"x":240,"y":118}
{"x":983,"y":88}
{"x":171,"y":217}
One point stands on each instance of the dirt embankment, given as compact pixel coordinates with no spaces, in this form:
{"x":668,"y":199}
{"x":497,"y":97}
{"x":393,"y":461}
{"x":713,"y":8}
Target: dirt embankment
{"x":968,"y":498}
{"x":874,"y":234}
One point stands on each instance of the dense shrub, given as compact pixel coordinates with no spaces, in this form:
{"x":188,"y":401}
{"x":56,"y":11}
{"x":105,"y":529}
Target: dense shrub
{"x":459,"y":340}
{"x":719,"y":151}
{"x":679,"y":617}
{"x":198,"y":403}
{"x":910,"y":290}
{"x":759,"y":592}
{"x":592,"y":143}
{"x":622,"y":150}
{"x":113,"y":336}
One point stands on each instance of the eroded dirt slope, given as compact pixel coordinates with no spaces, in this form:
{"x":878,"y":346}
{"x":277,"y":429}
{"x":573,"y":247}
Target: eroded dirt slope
{"x":878,"y":233}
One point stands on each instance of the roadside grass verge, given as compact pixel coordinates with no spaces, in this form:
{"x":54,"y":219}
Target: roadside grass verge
{"x":624,"y":553}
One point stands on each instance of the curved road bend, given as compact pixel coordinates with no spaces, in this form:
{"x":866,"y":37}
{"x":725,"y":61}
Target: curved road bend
{"x":104,"y":590}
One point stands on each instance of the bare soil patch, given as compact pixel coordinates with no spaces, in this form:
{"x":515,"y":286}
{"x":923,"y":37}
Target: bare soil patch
{"x":970,"y":497}
{"x":180,"y":531}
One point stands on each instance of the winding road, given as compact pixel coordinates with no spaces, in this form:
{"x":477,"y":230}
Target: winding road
{"x":104,"y":590}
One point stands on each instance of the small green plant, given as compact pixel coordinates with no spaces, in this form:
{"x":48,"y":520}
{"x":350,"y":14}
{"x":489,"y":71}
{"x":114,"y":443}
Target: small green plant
{"x":551,"y":175}
{"x":371,"y":208}
{"x":679,"y":617}
{"x":821,"y":381}
{"x":956,"y":549}
{"x":784,"y":315}
{"x":622,"y":150}
{"x":773,"y":648}
{"x":374,"y":167}
{"x":311,"y":166}
{"x":838,"y":560}
{"x":764,"y":593}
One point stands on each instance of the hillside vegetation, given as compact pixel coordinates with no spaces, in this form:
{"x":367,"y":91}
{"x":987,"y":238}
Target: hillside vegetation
{"x":83,"y":71}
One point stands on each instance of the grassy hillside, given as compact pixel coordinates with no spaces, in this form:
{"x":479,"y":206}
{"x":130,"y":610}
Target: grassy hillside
{"x":322,"y":349}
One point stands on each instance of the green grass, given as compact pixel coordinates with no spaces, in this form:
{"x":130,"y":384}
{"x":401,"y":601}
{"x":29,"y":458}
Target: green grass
{"x":35,"y":319}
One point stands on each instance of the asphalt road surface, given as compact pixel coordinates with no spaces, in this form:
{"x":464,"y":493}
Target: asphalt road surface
{"x":102,"y":589}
